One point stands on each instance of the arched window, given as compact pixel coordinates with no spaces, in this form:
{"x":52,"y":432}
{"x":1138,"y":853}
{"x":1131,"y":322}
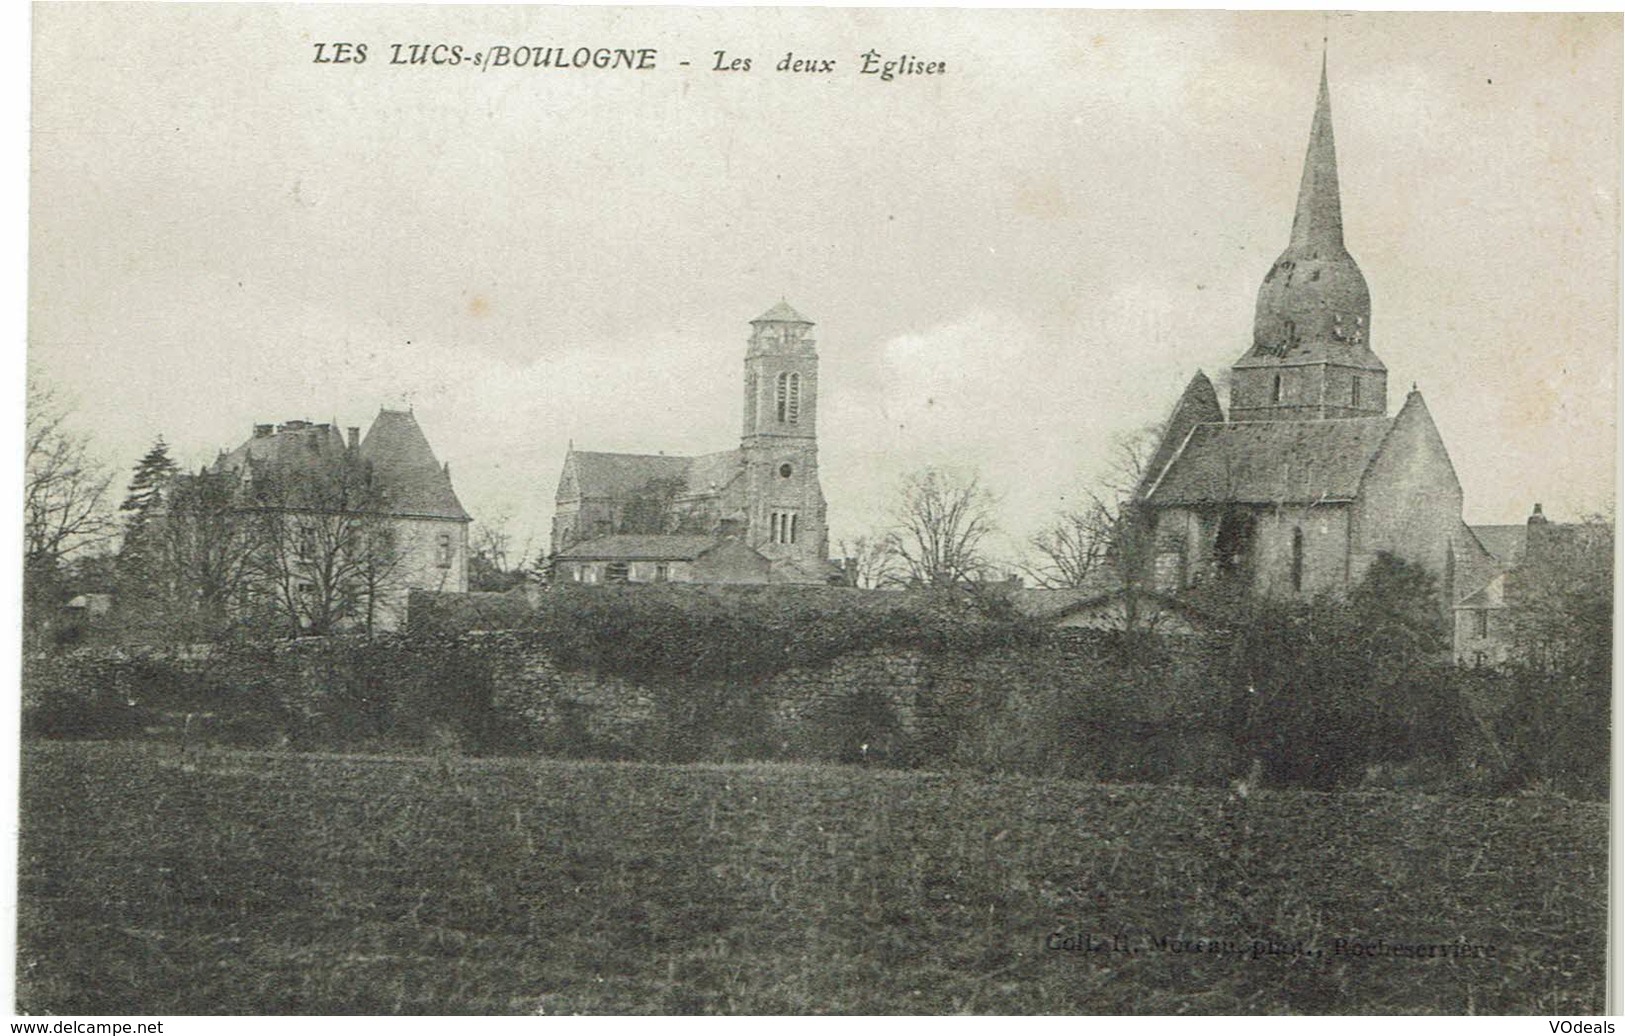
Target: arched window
{"x":1275,"y":390}
{"x":783,"y":395}
{"x":794,"y":404}
{"x":1297,"y":560}
{"x":1354,"y":391}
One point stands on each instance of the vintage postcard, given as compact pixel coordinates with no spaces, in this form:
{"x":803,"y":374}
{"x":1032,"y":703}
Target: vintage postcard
{"x":784,"y":511}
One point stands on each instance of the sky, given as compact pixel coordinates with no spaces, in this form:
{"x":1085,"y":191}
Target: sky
{"x":1010,"y":263}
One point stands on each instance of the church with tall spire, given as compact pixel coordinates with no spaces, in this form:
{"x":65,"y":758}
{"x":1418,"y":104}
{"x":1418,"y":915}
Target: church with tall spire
{"x":1307,"y":478}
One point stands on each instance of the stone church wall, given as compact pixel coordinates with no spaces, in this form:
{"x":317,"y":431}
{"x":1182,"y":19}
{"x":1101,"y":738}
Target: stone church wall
{"x":1410,"y":504}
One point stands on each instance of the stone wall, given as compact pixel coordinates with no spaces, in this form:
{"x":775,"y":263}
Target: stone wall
{"x":1078,"y":705}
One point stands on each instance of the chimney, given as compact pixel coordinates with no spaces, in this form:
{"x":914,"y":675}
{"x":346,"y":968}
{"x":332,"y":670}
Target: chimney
{"x":262,"y":430}
{"x":1538,"y":541}
{"x":355,"y":438}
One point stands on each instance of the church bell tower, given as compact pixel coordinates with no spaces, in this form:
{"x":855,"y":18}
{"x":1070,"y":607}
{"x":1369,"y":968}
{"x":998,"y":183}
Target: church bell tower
{"x":1311,"y":356}
{"x":785,"y":503}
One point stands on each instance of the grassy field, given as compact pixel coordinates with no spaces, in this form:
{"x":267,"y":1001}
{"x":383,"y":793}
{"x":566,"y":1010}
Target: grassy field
{"x":257,"y":883}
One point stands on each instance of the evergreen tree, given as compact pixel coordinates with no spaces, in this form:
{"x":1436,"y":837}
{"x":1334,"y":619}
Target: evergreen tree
{"x":141,"y":500}
{"x":146,"y":485}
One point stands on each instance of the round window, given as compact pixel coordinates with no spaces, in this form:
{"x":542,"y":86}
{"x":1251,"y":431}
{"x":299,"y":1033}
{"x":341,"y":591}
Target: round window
{"x":785,"y":470}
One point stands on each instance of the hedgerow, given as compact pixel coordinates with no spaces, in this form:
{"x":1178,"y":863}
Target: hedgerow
{"x":744,"y":633}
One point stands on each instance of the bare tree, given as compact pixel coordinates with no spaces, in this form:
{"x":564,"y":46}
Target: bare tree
{"x":199,"y":560}
{"x":1084,"y":540}
{"x":1072,"y":549}
{"x":872,"y":561}
{"x":490,"y":565}
{"x":327,"y":551}
{"x":941,"y":522}
{"x":65,"y":501}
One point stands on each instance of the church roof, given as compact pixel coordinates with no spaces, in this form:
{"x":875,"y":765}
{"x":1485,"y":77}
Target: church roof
{"x":626,"y":547}
{"x":619,"y":475}
{"x":1318,"y":222}
{"x":1264,"y":462}
{"x":1314,"y":305}
{"x":623,"y":474}
{"x":782,"y":313}
{"x":1199,"y":404}
{"x":712,"y":472}
{"x":404,"y":467}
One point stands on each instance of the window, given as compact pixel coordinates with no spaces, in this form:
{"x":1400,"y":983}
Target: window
{"x":307,"y":543}
{"x":782,"y":527}
{"x":617,"y":572}
{"x":662,"y":572}
{"x":442,"y":556}
{"x":1354,"y":391}
{"x":789,"y":397}
{"x":785,"y":471}
{"x":1481,"y":622}
{"x":1297,"y":560}
{"x":1478,"y":658}
{"x":1275,"y":391}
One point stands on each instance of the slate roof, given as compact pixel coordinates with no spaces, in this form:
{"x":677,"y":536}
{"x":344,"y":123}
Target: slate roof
{"x":619,"y":475}
{"x":1504,"y":542}
{"x":306,"y":449}
{"x":404,"y":467}
{"x":782,"y":313}
{"x":624,"y":474}
{"x":627,"y":547}
{"x":1266,"y":462}
{"x":713,"y":472}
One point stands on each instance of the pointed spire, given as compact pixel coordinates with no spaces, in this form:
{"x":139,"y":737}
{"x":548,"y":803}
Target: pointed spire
{"x":1319,"y":220}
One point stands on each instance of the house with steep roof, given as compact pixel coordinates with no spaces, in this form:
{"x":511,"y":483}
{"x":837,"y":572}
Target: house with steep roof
{"x":1307,"y":478}
{"x":1537,"y":561}
{"x":753,"y":514}
{"x":350,"y":525}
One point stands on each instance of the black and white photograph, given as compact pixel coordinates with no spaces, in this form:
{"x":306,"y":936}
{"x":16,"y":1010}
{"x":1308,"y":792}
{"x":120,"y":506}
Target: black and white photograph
{"x":590,"y":510}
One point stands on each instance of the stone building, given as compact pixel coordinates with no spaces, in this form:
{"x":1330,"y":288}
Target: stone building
{"x":753,"y":514}
{"x":1308,"y":477}
{"x":1541,"y":565}
{"x":331,"y":491}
